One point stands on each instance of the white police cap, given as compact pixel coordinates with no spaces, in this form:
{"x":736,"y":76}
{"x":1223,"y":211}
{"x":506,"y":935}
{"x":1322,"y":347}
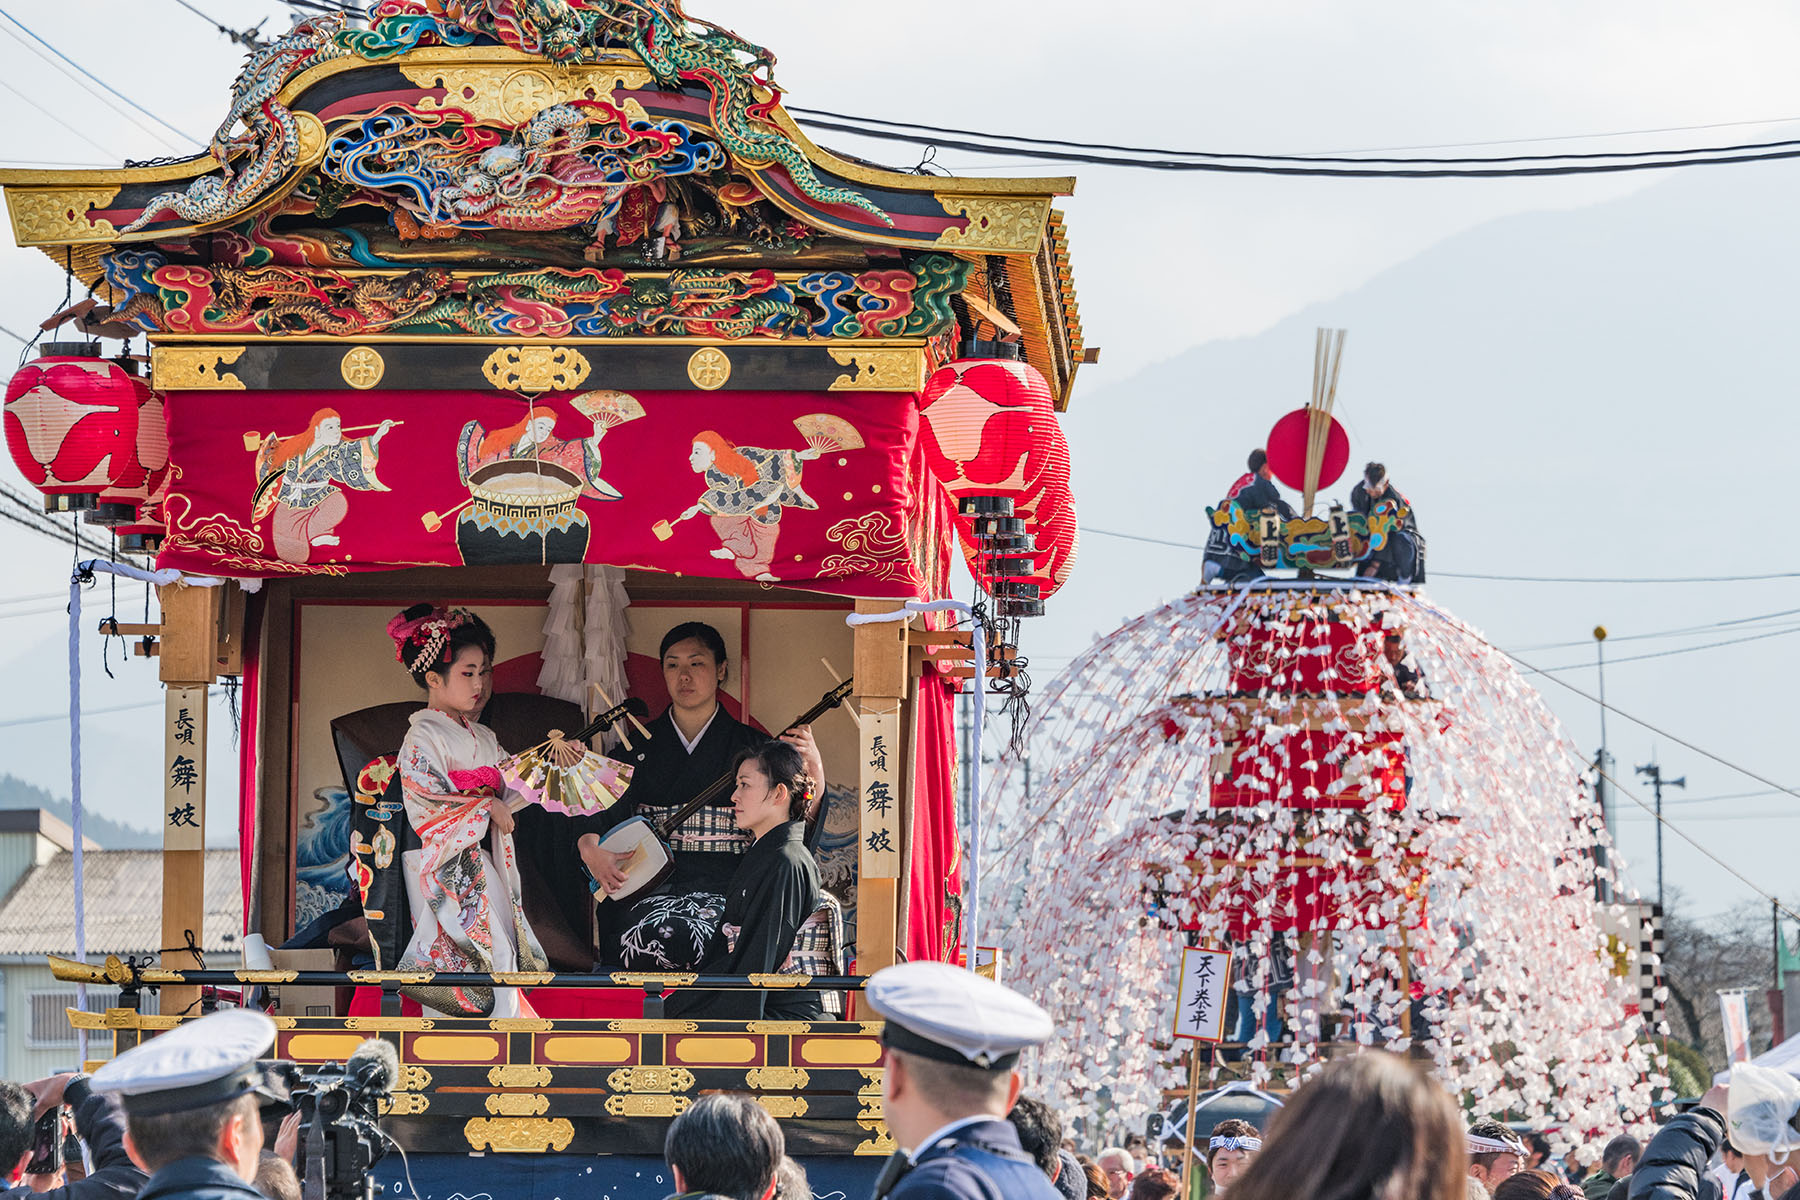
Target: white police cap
{"x":196,"y":1064}
{"x":953,"y":1015}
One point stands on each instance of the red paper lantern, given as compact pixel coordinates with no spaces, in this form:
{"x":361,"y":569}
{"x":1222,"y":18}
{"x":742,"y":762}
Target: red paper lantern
{"x":143,"y":534}
{"x":990,"y":427}
{"x":72,"y":425}
{"x":120,"y":506}
{"x":1058,"y":541}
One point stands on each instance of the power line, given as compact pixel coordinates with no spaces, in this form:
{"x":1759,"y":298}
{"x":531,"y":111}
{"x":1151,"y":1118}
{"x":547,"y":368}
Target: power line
{"x":246,"y":38}
{"x":77,"y":132}
{"x":56,"y":65}
{"x":1134,"y":537}
{"x":1681,"y":833}
{"x":1700,"y":159}
{"x":1342,"y":157}
{"x":1669,"y":653}
{"x":1662,"y":633}
{"x":23,"y":341}
{"x":109,"y":87}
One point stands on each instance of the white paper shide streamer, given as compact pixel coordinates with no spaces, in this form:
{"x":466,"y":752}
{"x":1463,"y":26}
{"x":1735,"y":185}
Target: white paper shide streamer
{"x":1170,"y":799}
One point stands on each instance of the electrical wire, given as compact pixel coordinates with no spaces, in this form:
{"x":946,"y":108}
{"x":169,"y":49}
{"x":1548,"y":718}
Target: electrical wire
{"x":1135,"y":537}
{"x":46,"y":718}
{"x":1582,"y":666}
{"x":1681,"y":833}
{"x":1662,"y":633}
{"x":246,"y":38}
{"x":1699,"y":159}
{"x":72,"y":129}
{"x":23,"y":341}
{"x":1339,"y":157}
{"x":56,"y":65}
{"x":95,"y":78}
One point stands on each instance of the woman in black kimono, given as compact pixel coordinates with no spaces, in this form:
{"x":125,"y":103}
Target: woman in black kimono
{"x":772,"y":893}
{"x":694,"y":742}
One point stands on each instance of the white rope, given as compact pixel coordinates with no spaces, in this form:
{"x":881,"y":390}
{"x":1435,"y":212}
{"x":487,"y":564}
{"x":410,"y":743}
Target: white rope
{"x":84,"y":572}
{"x":972,"y":897}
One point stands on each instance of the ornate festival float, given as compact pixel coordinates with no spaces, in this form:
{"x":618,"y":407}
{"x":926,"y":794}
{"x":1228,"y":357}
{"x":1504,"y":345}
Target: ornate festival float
{"x":1350,"y":789}
{"x":551,"y":311}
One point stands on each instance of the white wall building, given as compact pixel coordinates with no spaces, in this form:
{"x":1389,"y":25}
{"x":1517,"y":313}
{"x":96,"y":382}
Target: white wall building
{"x":123,"y":890}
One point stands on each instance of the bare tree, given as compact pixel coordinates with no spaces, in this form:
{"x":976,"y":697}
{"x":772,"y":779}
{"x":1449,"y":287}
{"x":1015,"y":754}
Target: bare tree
{"x":1705,"y":955}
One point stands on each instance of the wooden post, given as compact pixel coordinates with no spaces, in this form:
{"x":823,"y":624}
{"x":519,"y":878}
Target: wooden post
{"x":881,"y":678}
{"x":189,"y":663}
{"x":1187,"y":1146}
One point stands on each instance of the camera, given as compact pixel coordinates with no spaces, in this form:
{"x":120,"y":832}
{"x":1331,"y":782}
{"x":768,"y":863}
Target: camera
{"x":340,"y":1131}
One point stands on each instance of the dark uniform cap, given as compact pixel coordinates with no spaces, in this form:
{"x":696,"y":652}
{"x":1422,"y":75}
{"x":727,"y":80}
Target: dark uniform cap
{"x":953,"y":1015}
{"x":196,"y":1064}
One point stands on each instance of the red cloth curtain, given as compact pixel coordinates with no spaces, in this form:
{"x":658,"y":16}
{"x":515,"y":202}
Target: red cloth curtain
{"x":934,"y":888}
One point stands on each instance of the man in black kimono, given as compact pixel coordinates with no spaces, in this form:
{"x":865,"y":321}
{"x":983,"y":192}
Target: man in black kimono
{"x":692,"y":744}
{"x":1398,"y":560}
{"x":1254,"y":491}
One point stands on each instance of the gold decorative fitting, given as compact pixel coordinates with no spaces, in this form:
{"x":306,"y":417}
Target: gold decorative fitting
{"x":362,"y":367}
{"x":520,"y":1024}
{"x":414,"y":1079}
{"x":266,"y":976}
{"x":518,"y":1104}
{"x":647,"y":1106}
{"x":403,"y":978}
{"x":882,"y":1144}
{"x":708,"y":368}
{"x":82,"y":1019}
{"x":651,"y":1080}
{"x":503,"y":93}
{"x":780,"y":981}
{"x":69,"y":970}
{"x":524,"y":978}
{"x":783,"y":1106}
{"x":157,"y":975}
{"x":194,"y":368}
{"x":58,"y":216}
{"x":878,"y":369}
{"x":116,"y":970}
{"x":405,"y":1104}
{"x":776,"y":1079}
{"x":647,"y":979}
{"x":286,"y":1022}
{"x":998,"y":224}
{"x":534,"y":369}
{"x":641,"y":1025}
{"x":312,"y":138}
{"x":789,"y":1027}
{"x":513,"y":1135}
{"x":390,"y":1024}
{"x":519,"y":1076}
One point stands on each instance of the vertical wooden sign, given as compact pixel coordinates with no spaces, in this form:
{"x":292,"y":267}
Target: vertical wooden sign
{"x":184,"y":769}
{"x":879,"y":793}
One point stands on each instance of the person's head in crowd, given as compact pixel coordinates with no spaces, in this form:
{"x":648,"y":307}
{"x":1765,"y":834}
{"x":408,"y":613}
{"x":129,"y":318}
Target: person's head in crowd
{"x":196,"y":1092}
{"x":1040,"y":1132}
{"x":17,"y":1127}
{"x":1259,"y":463}
{"x":791,"y":1182}
{"x":1619,"y":1159}
{"x":1732,"y":1157}
{"x":1534,"y":1185}
{"x":1069,"y":1178}
{"x":275,"y":1177}
{"x":694,"y":666}
{"x":1537,"y":1150}
{"x":725,"y":1146}
{"x":1229,"y":1150}
{"x":1369,"y":1126}
{"x":953,"y":1041}
{"x":1118,"y":1166}
{"x":1153,"y":1183}
{"x":1375,"y":479}
{"x":1096,"y":1181}
{"x":1495,"y":1153}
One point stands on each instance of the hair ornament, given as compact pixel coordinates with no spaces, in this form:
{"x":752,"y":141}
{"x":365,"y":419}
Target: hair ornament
{"x":422,"y":632}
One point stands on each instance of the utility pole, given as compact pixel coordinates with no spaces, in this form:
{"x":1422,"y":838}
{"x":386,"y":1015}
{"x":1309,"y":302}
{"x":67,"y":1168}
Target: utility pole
{"x":1653,"y":773}
{"x":1602,"y":766}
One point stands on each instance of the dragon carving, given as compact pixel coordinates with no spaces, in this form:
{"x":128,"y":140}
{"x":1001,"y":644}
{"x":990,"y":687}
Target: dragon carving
{"x":271,"y":134}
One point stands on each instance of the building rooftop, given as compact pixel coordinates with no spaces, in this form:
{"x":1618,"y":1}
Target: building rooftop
{"x":124,"y":905}
{"x":36,"y":820}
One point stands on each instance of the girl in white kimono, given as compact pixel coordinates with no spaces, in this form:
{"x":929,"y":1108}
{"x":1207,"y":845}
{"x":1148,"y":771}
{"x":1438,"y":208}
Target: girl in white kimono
{"x":463,"y":883}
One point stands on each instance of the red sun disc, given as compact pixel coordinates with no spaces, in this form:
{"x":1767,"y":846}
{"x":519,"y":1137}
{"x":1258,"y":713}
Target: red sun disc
{"x":1287,"y":451}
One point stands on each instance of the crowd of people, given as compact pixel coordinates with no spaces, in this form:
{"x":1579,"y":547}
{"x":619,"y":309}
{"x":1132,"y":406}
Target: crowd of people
{"x":199,"y":1113}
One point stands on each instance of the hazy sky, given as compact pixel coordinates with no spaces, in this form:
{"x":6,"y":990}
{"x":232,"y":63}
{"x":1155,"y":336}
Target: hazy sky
{"x":1164,"y":262}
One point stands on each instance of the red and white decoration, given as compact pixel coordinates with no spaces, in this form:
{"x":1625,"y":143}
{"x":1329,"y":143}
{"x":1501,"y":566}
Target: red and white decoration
{"x":73,"y":428}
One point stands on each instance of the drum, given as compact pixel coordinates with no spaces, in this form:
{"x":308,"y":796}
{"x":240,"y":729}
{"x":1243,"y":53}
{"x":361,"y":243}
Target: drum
{"x":522,"y":511}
